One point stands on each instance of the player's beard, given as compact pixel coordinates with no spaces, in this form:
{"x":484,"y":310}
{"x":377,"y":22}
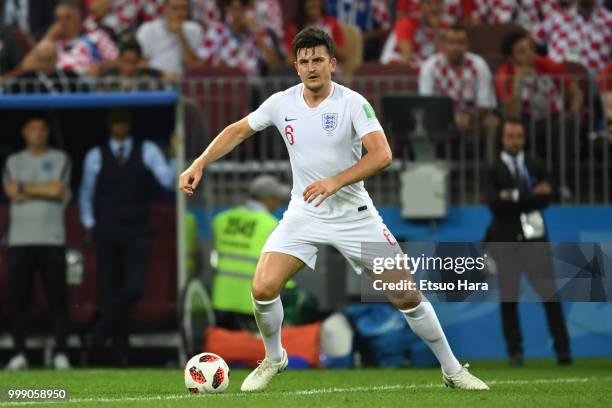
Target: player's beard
{"x":315,"y":88}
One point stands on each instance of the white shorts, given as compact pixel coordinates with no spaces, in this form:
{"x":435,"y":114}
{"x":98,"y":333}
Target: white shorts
{"x":359,"y":241}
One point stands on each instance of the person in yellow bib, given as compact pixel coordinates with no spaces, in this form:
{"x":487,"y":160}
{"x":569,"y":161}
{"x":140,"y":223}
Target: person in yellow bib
{"x":239,"y":235}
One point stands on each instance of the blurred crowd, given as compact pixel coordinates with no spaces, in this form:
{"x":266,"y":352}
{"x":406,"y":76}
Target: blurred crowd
{"x":106,"y":37}
{"x":138,"y":44}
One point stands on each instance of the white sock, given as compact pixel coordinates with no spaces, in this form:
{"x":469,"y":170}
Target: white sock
{"x":424,"y":323}
{"x":269,"y":316}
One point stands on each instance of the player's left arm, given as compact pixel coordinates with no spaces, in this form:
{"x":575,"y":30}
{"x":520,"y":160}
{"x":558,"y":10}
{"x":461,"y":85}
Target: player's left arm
{"x":378,"y":157}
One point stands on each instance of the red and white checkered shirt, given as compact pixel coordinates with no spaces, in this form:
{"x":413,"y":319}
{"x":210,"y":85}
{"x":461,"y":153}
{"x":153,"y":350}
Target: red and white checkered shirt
{"x":526,"y":12}
{"x":540,"y":93}
{"x":470,"y":85}
{"x":454,"y":10}
{"x":571,"y":36}
{"x":269,"y":15}
{"x":422,"y":37}
{"x":82,"y":53}
{"x":382,"y":15}
{"x":127,"y":15}
{"x":205,"y":12}
{"x":222,"y":47}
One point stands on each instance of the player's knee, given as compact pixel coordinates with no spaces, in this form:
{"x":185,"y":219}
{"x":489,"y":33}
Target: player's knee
{"x":263,"y":291}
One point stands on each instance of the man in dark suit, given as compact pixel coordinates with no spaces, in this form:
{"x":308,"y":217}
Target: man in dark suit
{"x":114,"y":199}
{"x":517,"y":189}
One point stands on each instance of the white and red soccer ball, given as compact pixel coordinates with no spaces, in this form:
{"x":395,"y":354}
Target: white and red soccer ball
{"x":206,"y":373}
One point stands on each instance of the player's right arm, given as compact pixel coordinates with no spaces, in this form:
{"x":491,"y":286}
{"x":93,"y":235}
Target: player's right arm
{"x":225,"y":142}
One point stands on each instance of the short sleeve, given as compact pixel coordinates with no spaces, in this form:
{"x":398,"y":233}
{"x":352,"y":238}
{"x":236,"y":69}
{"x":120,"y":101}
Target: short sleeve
{"x":7,"y":173}
{"x":142,"y":38}
{"x":363,"y":116}
{"x":64,"y":176}
{"x":263,"y":116}
{"x":194,"y":34}
{"x":65,"y":168}
{"x":426,"y":77}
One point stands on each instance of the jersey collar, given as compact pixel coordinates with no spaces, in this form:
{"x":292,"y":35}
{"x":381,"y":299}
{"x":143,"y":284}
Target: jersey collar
{"x":323,"y":102}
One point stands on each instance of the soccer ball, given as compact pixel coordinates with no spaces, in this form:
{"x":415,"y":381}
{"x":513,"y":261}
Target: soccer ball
{"x":206,"y":373}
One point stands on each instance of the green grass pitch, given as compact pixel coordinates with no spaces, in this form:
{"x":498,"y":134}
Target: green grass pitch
{"x":540,"y":384}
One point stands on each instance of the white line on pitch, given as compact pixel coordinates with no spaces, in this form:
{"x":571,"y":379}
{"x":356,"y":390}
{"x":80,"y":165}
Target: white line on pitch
{"x":393,"y":387}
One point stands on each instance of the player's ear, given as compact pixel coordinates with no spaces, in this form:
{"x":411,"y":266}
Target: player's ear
{"x":332,"y":62}
{"x":295,"y":65}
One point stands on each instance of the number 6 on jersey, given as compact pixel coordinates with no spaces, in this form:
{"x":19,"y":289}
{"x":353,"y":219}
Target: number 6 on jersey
{"x":289,"y":134}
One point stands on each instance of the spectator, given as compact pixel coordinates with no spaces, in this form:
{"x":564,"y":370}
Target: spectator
{"x":536,"y":89}
{"x":32,"y":17}
{"x":268,"y":15}
{"x":605,"y":87}
{"x":455,"y":11}
{"x":526,"y":13}
{"x":463,"y":76}
{"x":114,"y":200}
{"x":10,"y":54}
{"x":170,"y":43}
{"x":517,"y":189}
{"x":85,"y":53}
{"x":121,"y":17}
{"x":130,"y":75}
{"x":415,"y":39}
{"x":42,"y":74}
{"x":205,"y":12}
{"x":531,"y":85}
{"x":312,"y":13}
{"x":240,"y":43}
{"x":372,"y":17}
{"x":37,"y":180}
{"x":237,"y":252}
{"x":124,"y":16}
{"x":582,"y":34}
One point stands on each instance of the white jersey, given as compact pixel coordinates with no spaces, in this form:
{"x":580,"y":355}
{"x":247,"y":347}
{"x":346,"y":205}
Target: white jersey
{"x":322,"y":142}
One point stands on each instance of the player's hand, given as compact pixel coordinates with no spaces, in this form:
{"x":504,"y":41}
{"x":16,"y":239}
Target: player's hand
{"x":190,"y":178}
{"x":322,"y":189}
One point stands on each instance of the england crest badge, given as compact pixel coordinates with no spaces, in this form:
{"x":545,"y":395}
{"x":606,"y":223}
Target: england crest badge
{"x":330,"y":122}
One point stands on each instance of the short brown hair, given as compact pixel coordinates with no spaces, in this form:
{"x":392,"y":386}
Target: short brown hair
{"x":313,"y":37}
